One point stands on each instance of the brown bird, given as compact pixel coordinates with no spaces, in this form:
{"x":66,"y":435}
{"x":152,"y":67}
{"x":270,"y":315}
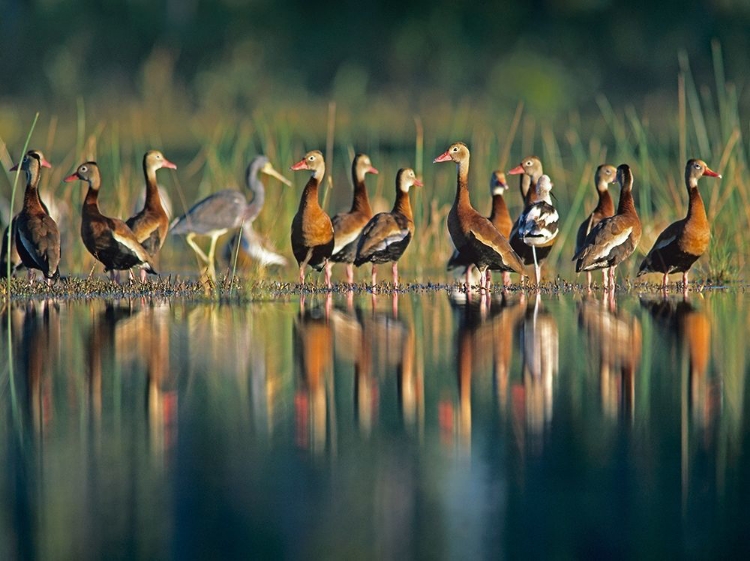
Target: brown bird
{"x":151,"y":224}
{"x":109,"y":240}
{"x":614,"y":238}
{"x":682,"y":242}
{"x":312,"y":230}
{"x":347,"y":226}
{"x":472,"y":233}
{"x":500,"y":218}
{"x":387,"y":235}
{"x":36,"y":233}
{"x":530,"y":170}
{"x":15,"y":259}
{"x":605,"y":174}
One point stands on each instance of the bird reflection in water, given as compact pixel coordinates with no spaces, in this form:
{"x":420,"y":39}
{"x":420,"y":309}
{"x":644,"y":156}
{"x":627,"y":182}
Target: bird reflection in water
{"x":615,"y":339}
{"x":39,"y":347}
{"x":313,"y":352}
{"x":691,"y":329}
{"x":533,"y":400}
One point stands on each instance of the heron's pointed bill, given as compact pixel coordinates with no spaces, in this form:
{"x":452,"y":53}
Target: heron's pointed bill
{"x":268,"y":170}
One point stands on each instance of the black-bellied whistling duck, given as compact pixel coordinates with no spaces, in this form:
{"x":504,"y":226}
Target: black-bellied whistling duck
{"x":347,"y":226}
{"x":472,"y":233}
{"x":682,"y":242}
{"x":500,"y":218}
{"x":109,"y":240}
{"x":312,"y":230}
{"x":386,"y":236}
{"x":538,"y":224}
{"x":36,"y":233}
{"x":614,"y":238}
{"x":530,"y":170}
{"x":151,"y":224}
{"x":605,"y":174}
{"x":10,"y":232}
{"x":224,"y":210}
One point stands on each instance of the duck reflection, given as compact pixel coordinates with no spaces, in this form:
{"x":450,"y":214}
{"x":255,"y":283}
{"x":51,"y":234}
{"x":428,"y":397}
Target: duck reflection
{"x":692,"y":329}
{"x":540,"y":350}
{"x":313,"y":346}
{"x":615,"y":339}
{"x":39,"y":345}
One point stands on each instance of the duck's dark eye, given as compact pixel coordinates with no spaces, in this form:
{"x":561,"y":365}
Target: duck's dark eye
{"x":84,"y":169}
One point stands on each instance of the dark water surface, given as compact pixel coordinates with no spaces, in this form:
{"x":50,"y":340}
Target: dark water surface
{"x":560,"y":427}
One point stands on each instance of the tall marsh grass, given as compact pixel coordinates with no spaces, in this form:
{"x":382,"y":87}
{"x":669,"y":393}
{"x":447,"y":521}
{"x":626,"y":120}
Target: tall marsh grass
{"x":212,"y":147}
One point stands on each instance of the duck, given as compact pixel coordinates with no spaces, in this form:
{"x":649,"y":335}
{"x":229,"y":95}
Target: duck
{"x":500,"y":218}
{"x":151,"y":224}
{"x":312,"y":229}
{"x":9,"y":231}
{"x":387,"y":235}
{"x":36,"y":233}
{"x":615,"y":238}
{"x":605,"y":174}
{"x":473,"y":234}
{"x":530,"y":169}
{"x":109,"y":240}
{"x":538,"y":224}
{"x":225,"y":210}
{"x":683,"y":242}
{"x":347,"y":226}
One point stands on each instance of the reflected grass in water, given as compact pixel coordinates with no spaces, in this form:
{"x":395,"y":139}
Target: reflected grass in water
{"x":562,"y":424}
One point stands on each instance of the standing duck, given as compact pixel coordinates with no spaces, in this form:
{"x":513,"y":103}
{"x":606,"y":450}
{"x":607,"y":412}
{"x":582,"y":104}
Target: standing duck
{"x":605,"y":174}
{"x":347,"y":226}
{"x":109,"y":240}
{"x":151,"y":224}
{"x":473,"y":234}
{"x":614,"y":238}
{"x":386,"y":236}
{"x":10,"y":230}
{"x":530,"y":170}
{"x":538,"y":224}
{"x":225,"y":210}
{"x":682,"y":242}
{"x":500,"y":218}
{"x":36,"y":233}
{"x":312,"y":230}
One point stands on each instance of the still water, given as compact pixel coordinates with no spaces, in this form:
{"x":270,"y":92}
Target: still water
{"x":554,"y":426}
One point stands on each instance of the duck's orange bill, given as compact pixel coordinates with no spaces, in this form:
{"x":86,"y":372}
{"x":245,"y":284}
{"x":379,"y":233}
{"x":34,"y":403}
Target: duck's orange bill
{"x":444,"y":157}
{"x":373,"y":170}
{"x":167,"y":164}
{"x":302,"y":164}
{"x":418,"y":183}
{"x":518,"y":170}
{"x":71,"y":177}
{"x":710,"y":173}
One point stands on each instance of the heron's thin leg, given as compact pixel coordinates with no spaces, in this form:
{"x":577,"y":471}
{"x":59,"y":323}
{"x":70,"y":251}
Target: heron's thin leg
{"x":212,"y":255}
{"x":190,"y":239}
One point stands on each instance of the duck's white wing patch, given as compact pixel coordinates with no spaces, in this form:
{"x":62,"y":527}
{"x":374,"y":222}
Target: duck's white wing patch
{"x":665,"y":242}
{"x":341,"y":240}
{"x":393,"y":237}
{"x":603,"y":250}
{"x":132,"y":245}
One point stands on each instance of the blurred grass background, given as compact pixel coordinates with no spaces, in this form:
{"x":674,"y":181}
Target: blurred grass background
{"x":213,"y":83}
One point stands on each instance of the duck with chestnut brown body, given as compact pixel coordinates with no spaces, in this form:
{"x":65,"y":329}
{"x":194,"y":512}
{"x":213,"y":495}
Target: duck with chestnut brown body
{"x":605,"y":174}
{"x":151,"y":224}
{"x":474,"y":235}
{"x":682,"y":242}
{"x":500,"y":218}
{"x":387,"y":235}
{"x":615,"y":238}
{"x":312,"y":230}
{"x":36,"y":233}
{"x":109,"y":240}
{"x":10,"y":230}
{"x":347,"y":226}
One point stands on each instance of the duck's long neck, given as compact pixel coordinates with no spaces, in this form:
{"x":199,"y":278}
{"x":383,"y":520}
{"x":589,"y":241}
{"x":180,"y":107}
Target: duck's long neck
{"x":310,"y":194}
{"x":499,"y":208}
{"x":696,"y":208}
{"x":606,"y":205}
{"x":31,"y":195}
{"x":360,"y":202}
{"x":152,"y":188}
{"x":91,"y":202}
{"x":462,"y":184}
{"x":403,"y":204}
{"x":627,"y":203}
